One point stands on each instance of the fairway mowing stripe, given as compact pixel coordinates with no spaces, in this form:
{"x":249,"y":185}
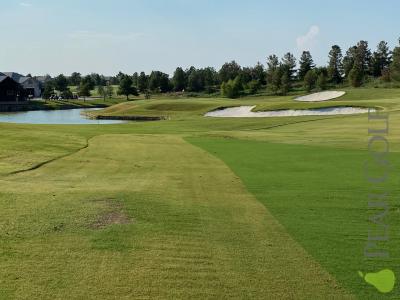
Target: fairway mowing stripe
{"x":232,"y":248}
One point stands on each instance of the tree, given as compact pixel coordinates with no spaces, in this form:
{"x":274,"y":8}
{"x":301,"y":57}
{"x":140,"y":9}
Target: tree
{"x":159,"y":82}
{"x":102,"y":92}
{"x":119,"y":77}
{"x":395,"y":65}
{"x":126,"y":87}
{"x":335,"y":67}
{"x":210,"y":79}
{"x":363,"y":57}
{"x":358,"y":56}
{"x":179,"y":80}
{"x":84,"y":89}
{"x":109,"y":91}
{"x":48,"y":89}
{"x":322,"y":81}
{"x":75,"y":79}
{"x":233,"y":88}
{"x":67,"y":94}
{"x":348,"y":60}
{"x":195,"y":81}
{"x":229,"y":71}
{"x":61,"y":83}
{"x":276,"y":80}
{"x":135,"y":78}
{"x":356,"y":76}
{"x":143,"y":82}
{"x":254,"y":86}
{"x":97,"y":79}
{"x":286,"y":83}
{"x":272,"y":65}
{"x":381,"y":59}
{"x":289,"y":65}
{"x":309,"y":80}
{"x":306,"y":64}
{"x":88,"y":81}
{"x":259,"y":74}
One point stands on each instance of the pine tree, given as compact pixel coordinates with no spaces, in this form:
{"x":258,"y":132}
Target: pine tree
{"x":289,"y":65}
{"x":335,"y":67}
{"x":306,"y":64}
{"x":381,"y":59}
{"x":272,"y":65}
{"x":395,"y":66}
{"x":143,"y":82}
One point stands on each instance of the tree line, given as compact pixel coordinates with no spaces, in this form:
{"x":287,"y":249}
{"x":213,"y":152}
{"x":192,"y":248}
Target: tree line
{"x":358,"y":65}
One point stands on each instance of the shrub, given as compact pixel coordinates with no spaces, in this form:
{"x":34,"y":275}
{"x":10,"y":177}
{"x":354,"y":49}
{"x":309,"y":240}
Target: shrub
{"x":356,"y":77}
{"x":309,"y":80}
{"x":322,"y":81}
{"x":254,"y":86}
{"x":233,"y":88}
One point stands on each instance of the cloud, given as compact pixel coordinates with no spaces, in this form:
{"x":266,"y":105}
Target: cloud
{"x":307,"y":41}
{"x":25,"y":4}
{"x":103,"y":36}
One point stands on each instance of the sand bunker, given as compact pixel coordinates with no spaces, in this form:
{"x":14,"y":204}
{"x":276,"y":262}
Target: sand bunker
{"x":322,"y":96}
{"x":246,"y":112}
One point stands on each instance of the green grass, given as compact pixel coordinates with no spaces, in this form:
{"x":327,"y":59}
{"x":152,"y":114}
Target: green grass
{"x":320,"y":195}
{"x":217,"y":208}
{"x":190,"y":236}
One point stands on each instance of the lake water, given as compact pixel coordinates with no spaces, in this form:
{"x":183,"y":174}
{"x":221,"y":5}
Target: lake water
{"x":68,"y":116}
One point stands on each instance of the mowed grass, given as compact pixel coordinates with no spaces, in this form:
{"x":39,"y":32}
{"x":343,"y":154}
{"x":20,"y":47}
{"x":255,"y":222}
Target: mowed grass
{"x":190,"y":230}
{"x":321,"y":196}
{"x":264,"y":208}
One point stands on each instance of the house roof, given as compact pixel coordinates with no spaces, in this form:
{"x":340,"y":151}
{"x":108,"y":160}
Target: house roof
{"x":16,"y":76}
{"x":27,"y":82}
{"x":2,"y":76}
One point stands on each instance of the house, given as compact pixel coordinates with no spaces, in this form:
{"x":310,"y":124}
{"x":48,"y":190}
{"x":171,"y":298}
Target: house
{"x":10,"y":90}
{"x":31,"y":86}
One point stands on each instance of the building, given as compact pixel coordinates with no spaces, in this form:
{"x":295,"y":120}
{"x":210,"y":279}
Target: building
{"x":31,"y":86}
{"x":10,"y":90}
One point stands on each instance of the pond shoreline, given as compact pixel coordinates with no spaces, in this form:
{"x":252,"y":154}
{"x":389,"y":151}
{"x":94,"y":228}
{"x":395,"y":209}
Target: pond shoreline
{"x":75,"y":116}
{"x":47,"y":105}
{"x":127,"y":118}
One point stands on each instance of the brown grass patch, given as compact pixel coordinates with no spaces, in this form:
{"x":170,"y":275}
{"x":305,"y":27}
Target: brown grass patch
{"x":113,"y":215}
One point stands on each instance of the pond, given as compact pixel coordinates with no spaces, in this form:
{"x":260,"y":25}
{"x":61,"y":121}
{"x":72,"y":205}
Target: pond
{"x":246,"y":112}
{"x":68,"y":117}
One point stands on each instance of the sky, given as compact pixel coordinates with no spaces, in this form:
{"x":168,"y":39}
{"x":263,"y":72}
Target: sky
{"x":107,"y":36}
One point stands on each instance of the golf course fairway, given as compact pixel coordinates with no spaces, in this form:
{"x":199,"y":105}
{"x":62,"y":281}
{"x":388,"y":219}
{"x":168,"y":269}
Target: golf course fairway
{"x":193,"y":207}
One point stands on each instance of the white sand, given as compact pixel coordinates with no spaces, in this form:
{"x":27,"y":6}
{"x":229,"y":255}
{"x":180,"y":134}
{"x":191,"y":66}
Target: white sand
{"x":322,"y":96}
{"x":246,"y":112}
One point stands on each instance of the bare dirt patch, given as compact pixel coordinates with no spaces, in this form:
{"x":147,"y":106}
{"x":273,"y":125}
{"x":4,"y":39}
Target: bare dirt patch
{"x":114,"y":214}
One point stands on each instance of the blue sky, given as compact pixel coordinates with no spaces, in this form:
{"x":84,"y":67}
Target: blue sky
{"x":107,"y":36}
